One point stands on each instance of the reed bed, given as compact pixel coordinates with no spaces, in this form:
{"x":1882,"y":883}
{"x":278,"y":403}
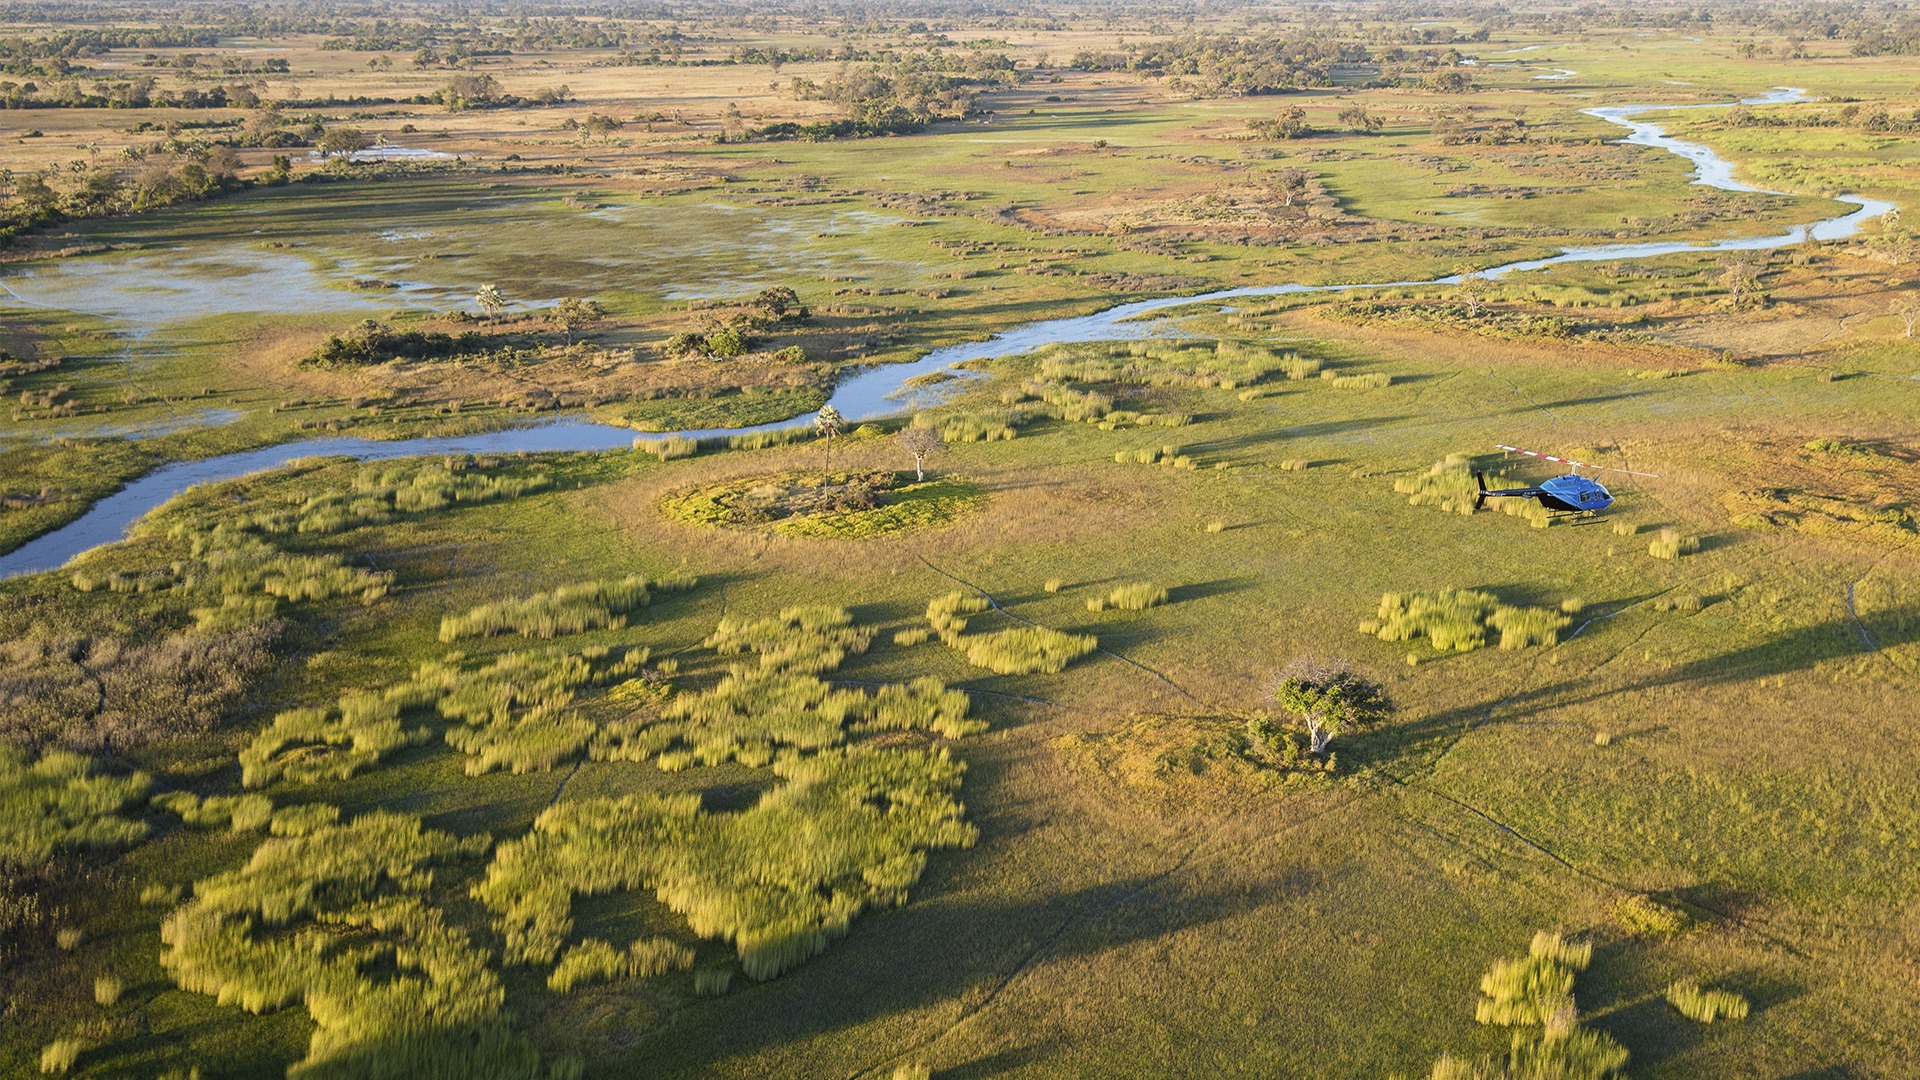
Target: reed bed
{"x":1458,"y":620}
{"x":58,"y":804}
{"x":1706,"y":1006}
{"x":301,"y":922}
{"x":569,"y":609}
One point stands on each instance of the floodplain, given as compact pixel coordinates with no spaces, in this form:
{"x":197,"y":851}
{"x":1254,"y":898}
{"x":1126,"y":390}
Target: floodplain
{"x":679,"y":723}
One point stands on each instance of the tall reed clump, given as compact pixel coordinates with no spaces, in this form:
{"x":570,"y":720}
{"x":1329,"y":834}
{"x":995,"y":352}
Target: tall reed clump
{"x":569,"y":609}
{"x":671,"y":448}
{"x":237,"y":566}
{"x":1457,"y":620}
{"x":781,"y":703}
{"x":1021,"y":650}
{"x":1136,"y":596}
{"x":61,"y":1055}
{"x":1535,"y":994}
{"x":596,"y":961}
{"x":303,"y":920}
{"x":239,"y":813}
{"x":849,"y":829}
{"x":376,"y":495}
{"x":1706,"y":1006}
{"x":57,"y":804}
{"x":310,"y":745}
{"x":1449,"y":485}
{"x":809,"y":638}
{"x":513,"y":712}
{"x":1672,"y":544}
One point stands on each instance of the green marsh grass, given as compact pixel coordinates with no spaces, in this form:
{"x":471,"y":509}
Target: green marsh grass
{"x":57,"y":803}
{"x":1458,"y":620}
{"x":569,"y":609}
{"x":61,"y":1055}
{"x":1706,"y":1006}
{"x":1672,"y":544}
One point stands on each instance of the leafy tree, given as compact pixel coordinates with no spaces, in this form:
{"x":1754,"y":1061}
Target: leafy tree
{"x":343,"y":142}
{"x":829,"y":423}
{"x":1329,"y":697}
{"x":491,"y":300}
{"x":1359,"y":120}
{"x":1290,"y":124}
{"x":920,"y":442}
{"x":572,"y":313}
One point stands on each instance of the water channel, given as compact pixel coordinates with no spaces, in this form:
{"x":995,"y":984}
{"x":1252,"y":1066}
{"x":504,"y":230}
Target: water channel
{"x":885,"y":391}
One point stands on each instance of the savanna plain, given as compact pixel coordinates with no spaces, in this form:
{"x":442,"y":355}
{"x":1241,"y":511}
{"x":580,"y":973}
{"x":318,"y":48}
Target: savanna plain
{"x":941,"y":540}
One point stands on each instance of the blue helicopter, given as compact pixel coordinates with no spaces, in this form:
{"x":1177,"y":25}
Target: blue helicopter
{"x":1568,"y":494}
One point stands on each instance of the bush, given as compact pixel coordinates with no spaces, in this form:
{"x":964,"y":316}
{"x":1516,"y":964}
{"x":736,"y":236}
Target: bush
{"x":56,"y":804}
{"x":1705,"y":1006}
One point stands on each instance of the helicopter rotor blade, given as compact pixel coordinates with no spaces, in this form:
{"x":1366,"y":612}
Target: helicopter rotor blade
{"x":1575,"y":464}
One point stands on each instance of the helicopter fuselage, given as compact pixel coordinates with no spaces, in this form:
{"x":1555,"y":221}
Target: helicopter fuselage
{"x":1569,"y":494}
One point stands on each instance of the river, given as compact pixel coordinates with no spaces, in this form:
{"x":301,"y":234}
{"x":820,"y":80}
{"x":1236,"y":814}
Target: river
{"x":877,"y":392}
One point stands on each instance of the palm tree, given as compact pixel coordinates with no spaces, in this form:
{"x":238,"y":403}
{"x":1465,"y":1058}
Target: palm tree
{"x":829,"y":423}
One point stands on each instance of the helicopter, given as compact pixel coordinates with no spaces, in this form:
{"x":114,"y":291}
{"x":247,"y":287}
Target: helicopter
{"x":1568,"y":494}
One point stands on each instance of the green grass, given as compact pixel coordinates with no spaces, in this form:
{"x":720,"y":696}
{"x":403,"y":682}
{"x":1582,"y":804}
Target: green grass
{"x":1719,"y":790}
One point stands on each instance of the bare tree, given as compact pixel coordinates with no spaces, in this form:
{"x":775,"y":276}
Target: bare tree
{"x":1472,"y":288}
{"x":920,"y":442}
{"x":1292,"y":184}
{"x":1907,"y":310}
{"x":1329,"y":697}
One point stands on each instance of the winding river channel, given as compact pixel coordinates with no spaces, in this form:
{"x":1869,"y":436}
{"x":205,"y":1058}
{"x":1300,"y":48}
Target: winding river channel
{"x":884,"y":391}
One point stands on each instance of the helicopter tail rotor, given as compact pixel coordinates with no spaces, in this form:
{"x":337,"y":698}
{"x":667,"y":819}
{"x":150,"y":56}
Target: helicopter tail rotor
{"x":1480,"y":497}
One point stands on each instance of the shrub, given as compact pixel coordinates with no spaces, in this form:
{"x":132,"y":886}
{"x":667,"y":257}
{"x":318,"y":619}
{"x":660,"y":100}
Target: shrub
{"x":569,"y":609}
{"x":56,"y":804}
{"x":1705,"y":1006}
